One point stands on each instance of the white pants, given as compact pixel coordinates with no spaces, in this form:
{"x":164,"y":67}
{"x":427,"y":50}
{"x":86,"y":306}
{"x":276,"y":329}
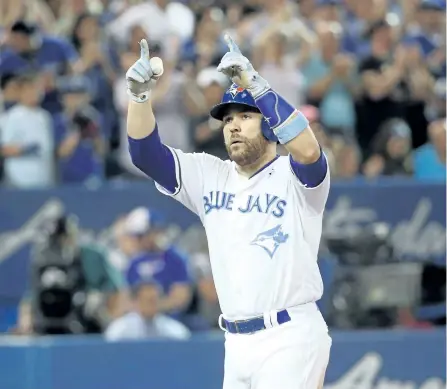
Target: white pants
{"x":293,"y":355}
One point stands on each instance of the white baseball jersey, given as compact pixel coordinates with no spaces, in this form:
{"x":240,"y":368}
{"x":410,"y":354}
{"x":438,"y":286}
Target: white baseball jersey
{"x":263,"y":232}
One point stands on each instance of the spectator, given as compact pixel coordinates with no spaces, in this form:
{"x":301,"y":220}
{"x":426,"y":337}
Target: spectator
{"x":27,"y":140}
{"x":348,"y":158}
{"x":281,"y":13}
{"x":383,"y":88}
{"x":64,"y":13}
{"x":237,"y":14}
{"x":9,"y":90}
{"x":358,"y":19}
{"x":200,"y":98}
{"x":306,"y":11}
{"x":428,"y":29}
{"x":331,"y":82}
{"x":206,"y":45}
{"x":436,"y":107}
{"x":33,"y":11}
{"x":132,"y":44}
{"x":169,"y":106}
{"x":170,"y":23}
{"x":281,"y":66}
{"x":312,"y":114}
{"x":28,"y":50}
{"x":407,"y":14}
{"x":430,"y":159}
{"x":328,"y":11}
{"x":80,"y":143}
{"x":204,"y":310}
{"x":149,"y":259}
{"x":342,"y":153}
{"x":207,"y":302}
{"x":99,"y":63}
{"x":420,"y":90}
{"x":145,"y":320}
{"x":9,"y":95}
{"x":392,"y":151}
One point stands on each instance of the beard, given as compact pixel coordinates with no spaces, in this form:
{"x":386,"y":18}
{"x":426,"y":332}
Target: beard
{"x":248,"y":151}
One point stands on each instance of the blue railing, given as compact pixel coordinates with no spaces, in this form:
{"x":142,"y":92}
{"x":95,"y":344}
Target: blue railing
{"x":359,"y":360}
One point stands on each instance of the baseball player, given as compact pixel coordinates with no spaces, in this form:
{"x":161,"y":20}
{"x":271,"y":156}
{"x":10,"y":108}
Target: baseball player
{"x":263,"y":219}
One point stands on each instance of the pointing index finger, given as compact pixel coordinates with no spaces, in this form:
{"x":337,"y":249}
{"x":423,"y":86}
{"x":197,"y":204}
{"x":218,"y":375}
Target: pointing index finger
{"x":144,"y":49}
{"x":231,"y":44}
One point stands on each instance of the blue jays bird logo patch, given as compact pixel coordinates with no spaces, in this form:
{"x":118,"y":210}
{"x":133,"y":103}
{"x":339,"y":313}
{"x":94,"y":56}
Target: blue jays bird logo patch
{"x":235,"y":90}
{"x":271,"y":239}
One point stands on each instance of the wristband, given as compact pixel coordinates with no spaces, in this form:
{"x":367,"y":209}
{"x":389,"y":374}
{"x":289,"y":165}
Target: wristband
{"x":285,"y":120}
{"x":139,"y":98}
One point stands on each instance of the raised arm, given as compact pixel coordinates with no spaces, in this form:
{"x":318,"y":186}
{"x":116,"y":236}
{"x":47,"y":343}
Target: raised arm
{"x":176,"y":174}
{"x":141,"y":79}
{"x":140,"y":119}
{"x":146,"y":150}
{"x":289,"y":125}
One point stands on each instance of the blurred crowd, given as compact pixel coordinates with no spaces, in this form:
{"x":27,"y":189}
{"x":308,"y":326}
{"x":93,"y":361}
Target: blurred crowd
{"x":369,"y":75}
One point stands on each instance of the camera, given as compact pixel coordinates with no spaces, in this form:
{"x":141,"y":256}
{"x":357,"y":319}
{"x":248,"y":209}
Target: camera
{"x":58,"y":282}
{"x":85,"y":122}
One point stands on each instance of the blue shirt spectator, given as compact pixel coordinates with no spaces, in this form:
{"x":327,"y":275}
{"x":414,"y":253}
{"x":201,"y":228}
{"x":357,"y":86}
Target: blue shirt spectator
{"x":166,"y":267}
{"x":145,"y":321}
{"x":145,"y":232}
{"x":29,"y":50}
{"x":100,"y":66}
{"x":78,"y":136}
{"x":429,"y":159}
{"x":427,"y":165}
{"x":429,"y":34}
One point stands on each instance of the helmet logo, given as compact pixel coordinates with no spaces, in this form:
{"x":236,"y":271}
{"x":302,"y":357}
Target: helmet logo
{"x":234,"y":90}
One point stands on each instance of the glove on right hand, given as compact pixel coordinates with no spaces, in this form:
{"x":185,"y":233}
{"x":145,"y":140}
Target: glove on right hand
{"x":143,"y":74}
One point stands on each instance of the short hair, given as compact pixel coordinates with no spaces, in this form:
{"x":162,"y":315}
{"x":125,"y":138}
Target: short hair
{"x":376,"y":26}
{"x":136,"y":288}
{"x":23,"y":27}
{"x":20,"y":78}
{"x":26,"y":78}
{"x":6,"y":78}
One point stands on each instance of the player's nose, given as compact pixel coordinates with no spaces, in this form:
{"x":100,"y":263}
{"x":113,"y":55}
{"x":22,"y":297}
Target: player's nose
{"x":235,"y":125}
{"x":235,"y":128}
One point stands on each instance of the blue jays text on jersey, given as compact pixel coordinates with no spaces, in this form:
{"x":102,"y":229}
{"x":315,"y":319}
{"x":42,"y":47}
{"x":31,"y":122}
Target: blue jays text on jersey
{"x":265,"y":203}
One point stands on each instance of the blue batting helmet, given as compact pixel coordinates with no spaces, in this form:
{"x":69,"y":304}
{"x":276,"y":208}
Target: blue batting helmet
{"x":239,"y":96}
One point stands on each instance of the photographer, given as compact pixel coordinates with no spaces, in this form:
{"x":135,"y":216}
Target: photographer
{"x":81,"y":145}
{"x":73,"y":288}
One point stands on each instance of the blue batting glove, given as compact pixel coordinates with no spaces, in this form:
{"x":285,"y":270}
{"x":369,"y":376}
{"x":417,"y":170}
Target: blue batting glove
{"x":240,"y":70}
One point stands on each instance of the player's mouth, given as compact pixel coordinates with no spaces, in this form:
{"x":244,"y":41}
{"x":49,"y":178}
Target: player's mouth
{"x":235,"y":142}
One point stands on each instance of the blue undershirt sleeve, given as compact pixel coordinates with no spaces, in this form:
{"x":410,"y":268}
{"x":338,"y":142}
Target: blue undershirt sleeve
{"x":311,"y":175}
{"x":155,"y":159}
